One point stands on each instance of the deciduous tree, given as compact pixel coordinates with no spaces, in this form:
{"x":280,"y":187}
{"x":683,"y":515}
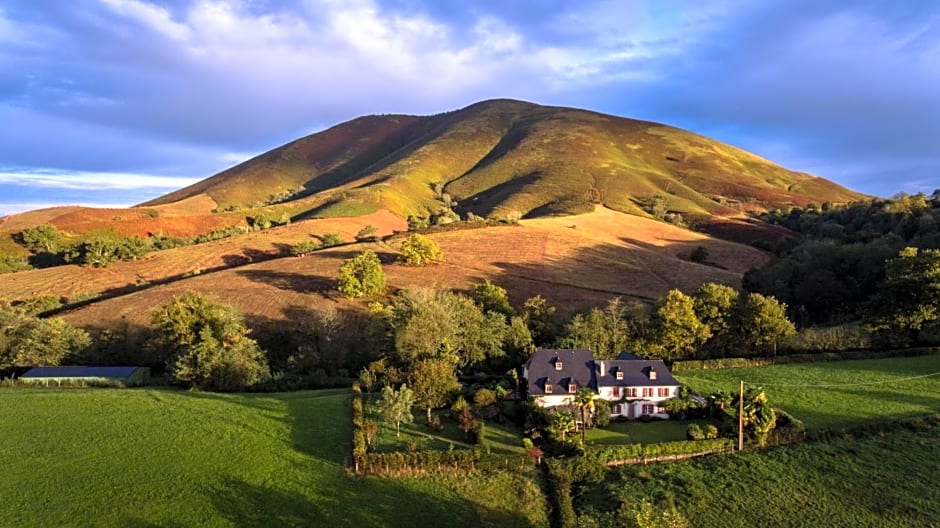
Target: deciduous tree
{"x":433,"y":381}
{"x":361,"y":275}
{"x":395,"y":406}
{"x":419,"y":250}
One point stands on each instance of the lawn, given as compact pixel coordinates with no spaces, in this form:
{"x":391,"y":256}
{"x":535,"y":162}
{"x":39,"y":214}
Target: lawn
{"x":879,"y":481}
{"x":149,"y":457}
{"x":837,"y":394}
{"x":635,"y":432}
{"x":501,"y":438}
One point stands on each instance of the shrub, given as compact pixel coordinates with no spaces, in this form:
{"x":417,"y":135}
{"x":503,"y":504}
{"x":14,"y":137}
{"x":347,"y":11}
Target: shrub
{"x":711,"y":432}
{"x":304,"y":247}
{"x":699,"y":254}
{"x":331,"y":239}
{"x":361,"y":275}
{"x":695,"y":432}
{"x":418,"y":250}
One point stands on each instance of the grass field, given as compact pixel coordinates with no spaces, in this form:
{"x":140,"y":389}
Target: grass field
{"x":171,"y":458}
{"x":634,"y":432}
{"x":837,"y":394}
{"x":887,"y":481}
{"x":501,"y":438}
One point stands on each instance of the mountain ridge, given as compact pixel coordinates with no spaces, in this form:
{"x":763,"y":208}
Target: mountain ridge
{"x":503,"y":158}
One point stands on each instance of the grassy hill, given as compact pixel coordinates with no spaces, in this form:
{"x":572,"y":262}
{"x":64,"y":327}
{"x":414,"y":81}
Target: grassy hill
{"x":173,"y":458}
{"x":511,"y":158}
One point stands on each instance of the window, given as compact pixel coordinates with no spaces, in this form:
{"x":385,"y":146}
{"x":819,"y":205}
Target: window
{"x":631,"y":392}
{"x":647,"y":408}
{"x":619,"y":374}
{"x":652,"y":374}
{"x":663,"y":392}
{"x":548,"y":388}
{"x":647,"y":392}
{"x":616,"y":392}
{"x":558,"y":364}
{"x":572,"y":388}
{"x":660,"y":410}
{"x":617,"y":409}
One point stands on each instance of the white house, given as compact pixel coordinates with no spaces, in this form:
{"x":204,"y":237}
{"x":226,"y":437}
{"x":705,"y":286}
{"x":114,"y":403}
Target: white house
{"x":635,"y":386}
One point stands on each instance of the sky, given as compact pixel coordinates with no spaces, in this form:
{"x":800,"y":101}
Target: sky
{"x":114,"y":102}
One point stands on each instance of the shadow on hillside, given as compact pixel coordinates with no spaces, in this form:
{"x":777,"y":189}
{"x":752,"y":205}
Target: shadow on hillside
{"x":297,"y":282}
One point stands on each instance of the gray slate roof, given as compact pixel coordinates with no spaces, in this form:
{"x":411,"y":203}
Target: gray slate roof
{"x":577,"y":366}
{"x":79,"y":372}
{"x":635,"y":373}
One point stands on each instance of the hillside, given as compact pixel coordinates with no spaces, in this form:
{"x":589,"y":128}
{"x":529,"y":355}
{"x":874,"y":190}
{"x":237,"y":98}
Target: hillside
{"x":575,"y":262}
{"x":504,"y":158}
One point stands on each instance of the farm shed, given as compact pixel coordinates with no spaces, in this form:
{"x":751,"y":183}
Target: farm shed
{"x":128,"y":376}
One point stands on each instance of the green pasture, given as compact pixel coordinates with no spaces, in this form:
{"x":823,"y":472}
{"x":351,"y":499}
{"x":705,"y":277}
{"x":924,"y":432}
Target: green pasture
{"x":634,"y":432}
{"x":836,"y":394}
{"x":100,"y":457}
{"x":882,"y":481}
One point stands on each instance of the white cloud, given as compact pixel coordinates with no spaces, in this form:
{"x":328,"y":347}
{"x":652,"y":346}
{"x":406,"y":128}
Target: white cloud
{"x":91,"y":181}
{"x":150,"y":15}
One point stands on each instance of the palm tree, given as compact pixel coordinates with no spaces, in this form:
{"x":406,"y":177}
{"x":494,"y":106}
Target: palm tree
{"x":584,"y":399}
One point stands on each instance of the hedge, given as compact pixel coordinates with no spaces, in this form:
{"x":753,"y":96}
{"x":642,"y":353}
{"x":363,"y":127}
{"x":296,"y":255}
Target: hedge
{"x":412,"y":463}
{"x":612,"y":455}
{"x":722,"y":363}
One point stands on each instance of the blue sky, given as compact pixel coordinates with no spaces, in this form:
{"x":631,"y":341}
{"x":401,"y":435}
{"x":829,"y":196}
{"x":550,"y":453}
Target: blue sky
{"x":112,"y":102}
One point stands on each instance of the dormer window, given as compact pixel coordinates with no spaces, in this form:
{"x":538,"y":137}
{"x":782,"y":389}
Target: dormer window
{"x":619,"y":374}
{"x":572,"y":388}
{"x":558,"y":364}
{"x":548,"y":388}
{"x":652,"y":374}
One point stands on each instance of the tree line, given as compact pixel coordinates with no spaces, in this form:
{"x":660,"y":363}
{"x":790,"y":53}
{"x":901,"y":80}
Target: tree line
{"x":871,"y":262}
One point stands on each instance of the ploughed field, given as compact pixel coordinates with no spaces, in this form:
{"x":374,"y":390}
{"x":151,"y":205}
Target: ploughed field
{"x":151,"y":457}
{"x":836,"y":394}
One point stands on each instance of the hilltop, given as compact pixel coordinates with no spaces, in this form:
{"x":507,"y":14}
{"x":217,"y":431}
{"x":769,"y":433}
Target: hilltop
{"x":505,"y":158}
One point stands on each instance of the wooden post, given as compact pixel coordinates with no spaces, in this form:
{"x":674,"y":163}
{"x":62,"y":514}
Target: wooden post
{"x":741,"y":418}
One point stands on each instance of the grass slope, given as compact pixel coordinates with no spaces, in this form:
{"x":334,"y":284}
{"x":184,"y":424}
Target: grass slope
{"x":881,"y":481}
{"x":171,"y":458}
{"x":861,"y":398}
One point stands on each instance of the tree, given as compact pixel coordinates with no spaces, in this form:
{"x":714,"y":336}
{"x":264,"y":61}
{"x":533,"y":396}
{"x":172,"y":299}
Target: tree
{"x":759,"y":416}
{"x":436,"y":324}
{"x":584,"y":399}
{"x":419,"y":250}
{"x":645,"y":515}
{"x":561,"y":424}
{"x":908,"y":306}
{"x":208,"y":344}
{"x":395,"y":406}
{"x":540,"y":317}
{"x":44,"y":238}
{"x":466,"y":420}
{"x":492,"y":298}
{"x":433,"y":381}
{"x":677,"y":331}
{"x":605,"y":332}
{"x":761,"y":322}
{"x":699,"y":254}
{"x":714,"y":306}
{"x":27,"y":341}
{"x":361,"y":275}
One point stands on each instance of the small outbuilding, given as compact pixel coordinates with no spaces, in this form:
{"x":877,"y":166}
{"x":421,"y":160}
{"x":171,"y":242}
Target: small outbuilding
{"x":57,"y":376}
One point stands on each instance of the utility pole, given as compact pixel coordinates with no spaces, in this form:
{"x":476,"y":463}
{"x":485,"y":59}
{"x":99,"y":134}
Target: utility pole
{"x":741,"y":418}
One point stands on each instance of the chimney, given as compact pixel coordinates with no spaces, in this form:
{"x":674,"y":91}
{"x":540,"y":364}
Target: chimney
{"x":602,"y":367}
